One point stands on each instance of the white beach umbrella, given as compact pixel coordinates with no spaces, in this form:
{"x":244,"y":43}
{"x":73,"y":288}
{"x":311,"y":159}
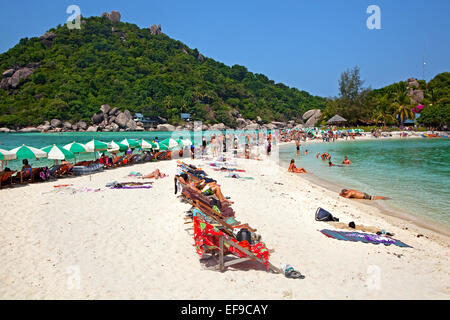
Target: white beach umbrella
{"x":27,"y":152}
{"x":57,"y":153}
{"x":6,"y":155}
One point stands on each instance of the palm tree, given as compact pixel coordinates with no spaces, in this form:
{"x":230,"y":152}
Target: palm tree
{"x":402,"y":106}
{"x":383,"y":111}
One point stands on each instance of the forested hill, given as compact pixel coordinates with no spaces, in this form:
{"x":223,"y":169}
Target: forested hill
{"x":68,"y":74}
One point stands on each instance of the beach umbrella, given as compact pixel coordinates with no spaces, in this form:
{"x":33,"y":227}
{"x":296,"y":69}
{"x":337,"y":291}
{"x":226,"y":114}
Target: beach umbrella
{"x":96,"y":145}
{"x":186,"y":142}
{"x":130,"y":143}
{"x":168,"y":144}
{"x":27,"y":152}
{"x":145,"y":144}
{"x":58,"y":153}
{"x":115,"y":146}
{"x":76,"y":147}
{"x":7,"y":155}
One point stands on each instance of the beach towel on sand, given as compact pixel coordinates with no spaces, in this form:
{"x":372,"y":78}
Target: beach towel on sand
{"x":363,"y":237}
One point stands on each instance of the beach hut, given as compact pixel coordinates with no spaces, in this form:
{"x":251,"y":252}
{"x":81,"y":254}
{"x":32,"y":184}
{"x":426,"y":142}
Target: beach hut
{"x":337,"y":120}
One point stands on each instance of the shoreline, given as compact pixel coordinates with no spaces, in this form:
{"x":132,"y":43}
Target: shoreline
{"x":133,"y":244}
{"x":384,"y":208}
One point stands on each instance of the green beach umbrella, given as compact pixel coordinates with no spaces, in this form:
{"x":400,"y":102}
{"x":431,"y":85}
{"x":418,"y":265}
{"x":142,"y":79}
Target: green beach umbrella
{"x":96,"y":145}
{"x":76,"y":147}
{"x":145,"y":144}
{"x":168,"y":144}
{"x":116,"y":146}
{"x":6,"y":155}
{"x":130,"y":143}
{"x":27,"y":152}
{"x":58,"y":153}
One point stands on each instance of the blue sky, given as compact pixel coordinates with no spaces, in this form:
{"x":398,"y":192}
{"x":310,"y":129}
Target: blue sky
{"x":303,"y":44}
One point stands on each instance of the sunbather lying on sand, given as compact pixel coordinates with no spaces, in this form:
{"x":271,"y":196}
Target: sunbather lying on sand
{"x":359,"y":195}
{"x":155,"y":174}
{"x":292,"y":168}
{"x":204,"y":188}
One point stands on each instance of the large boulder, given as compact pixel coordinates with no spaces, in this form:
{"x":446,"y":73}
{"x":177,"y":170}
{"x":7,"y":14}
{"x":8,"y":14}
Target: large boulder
{"x":218,"y":127}
{"x":67,"y":125}
{"x":131,"y":125}
{"x":413,"y":83}
{"x":97,"y":118}
{"x":252,"y":126}
{"x":114,"y":127}
{"x":29,"y":129}
{"x":56,"y":123}
{"x":114,"y":16}
{"x":4,"y":130}
{"x":105,"y":109}
{"x":8,"y":73}
{"x":241,"y":123}
{"x":311,"y":117}
{"x":155,"y":30}
{"x":165,"y":127}
{"x":82,"y":125}
{"x":92,"y":129}
{"x":75,"y":127}
{"x":417,"y":96}
{"x":47,"y":39}
{"x":20,"y":74}
{"x":122,"y":119}
{"x":279,"y":125}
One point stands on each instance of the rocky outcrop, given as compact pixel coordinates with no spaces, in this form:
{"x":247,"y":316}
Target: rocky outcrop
{"x":29,"y":129}
{"x":412,"y":83}
{"x":155,"y":30}
{"x":165,"y":127}
{"x":12,"y":77}
{"x":105,"y":108}
{"x":82,"y":125}
{"x":114,"y":16}
{"x":67,"y":126}
{"x":92,"y":129}
{"x":311,"y":117}
{"x":4,"y":130}
{"x":122,"y":119}
{"x":47,"y":39}
{"x":56,"y":123}
{"x":218,"y":127}
{"x":97,"y":118}
{"x":200,"y":57}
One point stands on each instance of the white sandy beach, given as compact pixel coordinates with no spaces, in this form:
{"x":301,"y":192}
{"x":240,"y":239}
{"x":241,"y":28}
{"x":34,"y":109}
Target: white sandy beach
{"x":133,"y":244}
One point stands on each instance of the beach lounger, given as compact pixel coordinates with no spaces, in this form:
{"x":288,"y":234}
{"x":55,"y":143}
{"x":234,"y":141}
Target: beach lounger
{"x":209,"y":239}
{"x":6,"y":178}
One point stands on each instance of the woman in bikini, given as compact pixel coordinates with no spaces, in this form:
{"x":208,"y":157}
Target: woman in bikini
{"x":155,"y":174}
{"x":292,"y":168}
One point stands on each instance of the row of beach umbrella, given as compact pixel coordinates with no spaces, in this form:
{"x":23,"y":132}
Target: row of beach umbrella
{"x":68,"y":151}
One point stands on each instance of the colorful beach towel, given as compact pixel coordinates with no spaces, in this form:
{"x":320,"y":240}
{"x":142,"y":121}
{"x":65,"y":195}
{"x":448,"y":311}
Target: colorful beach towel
{"x":363,"y":237}
{"x":129,"y":185}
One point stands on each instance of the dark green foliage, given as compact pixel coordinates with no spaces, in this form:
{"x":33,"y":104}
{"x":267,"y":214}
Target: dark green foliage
{"x":86,"y":68}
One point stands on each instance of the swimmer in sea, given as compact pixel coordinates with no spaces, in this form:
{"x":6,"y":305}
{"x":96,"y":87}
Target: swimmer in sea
{"x":325,"y":156}
{"x":317,"y":155}
{"x":346,"y":161}
{"x":355,"y":194}
{"x":292,"y":168}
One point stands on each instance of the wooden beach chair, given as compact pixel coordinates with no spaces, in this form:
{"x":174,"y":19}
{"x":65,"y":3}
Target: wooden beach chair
{"x":6,"y":178}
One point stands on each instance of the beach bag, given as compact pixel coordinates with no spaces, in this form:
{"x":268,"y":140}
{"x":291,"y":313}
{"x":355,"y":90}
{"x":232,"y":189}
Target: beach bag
{"x":324,"y":215}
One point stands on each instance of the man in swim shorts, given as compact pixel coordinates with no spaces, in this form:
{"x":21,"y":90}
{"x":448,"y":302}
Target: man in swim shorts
{"x":346,"y":161}
{"x":354,"y":194}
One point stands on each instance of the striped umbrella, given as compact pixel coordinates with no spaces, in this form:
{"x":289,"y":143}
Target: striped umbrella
{"x":116,"y":146}
{"x":27,"y":152}
{"x":186,"y":142}
{"x":130,"y":143}
{"x":168,"y":144}
{"x":145,"y":144}
{"x":76,"y":147}
{"x":96,"y":145}
{"x":58,"y":153}
{"x":6,"y":155}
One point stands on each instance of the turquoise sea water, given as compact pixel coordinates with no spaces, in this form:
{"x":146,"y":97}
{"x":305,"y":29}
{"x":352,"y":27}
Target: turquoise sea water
{"x":415,"y":173}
